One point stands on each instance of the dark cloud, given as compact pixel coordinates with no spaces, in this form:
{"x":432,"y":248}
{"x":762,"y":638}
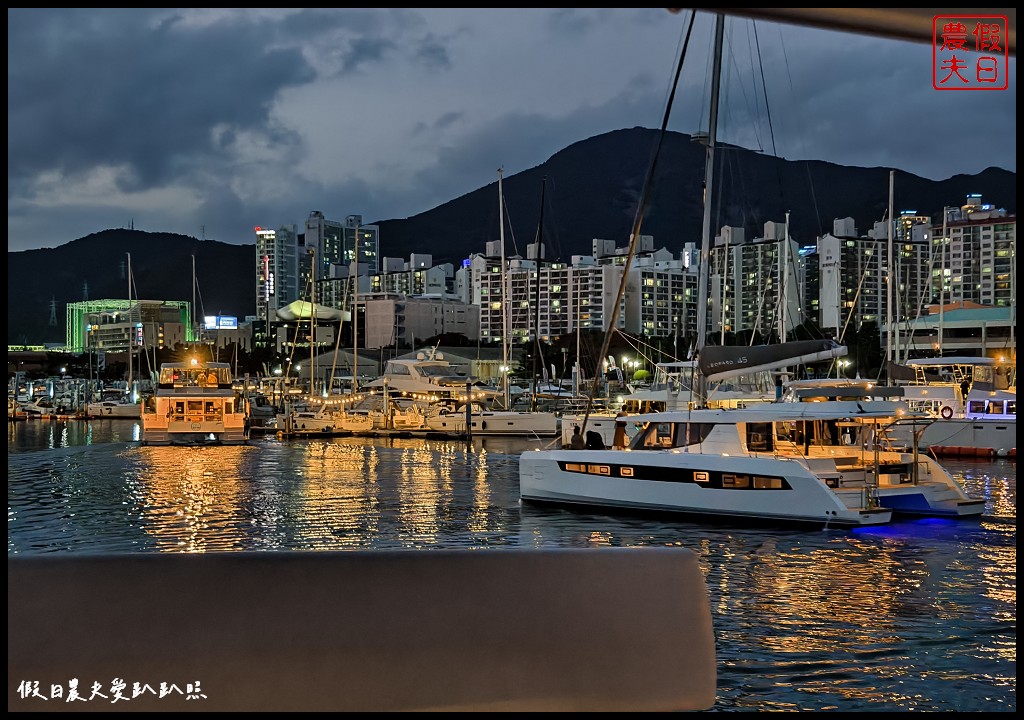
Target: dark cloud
{"x":220,"y":119}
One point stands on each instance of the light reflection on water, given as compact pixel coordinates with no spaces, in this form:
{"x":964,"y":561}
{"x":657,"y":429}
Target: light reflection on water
{"x":913,"y":616}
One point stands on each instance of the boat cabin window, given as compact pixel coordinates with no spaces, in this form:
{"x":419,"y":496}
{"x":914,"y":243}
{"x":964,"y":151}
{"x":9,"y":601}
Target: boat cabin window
{"x":439,"y":371}
{"x":976,"y":406}
{"x":759,"y":437}
{"x":805,"y":433}
{"x":654,"y":436}
{"x":993,"y":407}
{"x":663,"y":435}
{"x":397,"y":369}
{"x":194,"y":377}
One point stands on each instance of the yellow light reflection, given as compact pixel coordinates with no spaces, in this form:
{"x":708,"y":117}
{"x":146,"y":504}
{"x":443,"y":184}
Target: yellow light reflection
{"x":190,"y":497}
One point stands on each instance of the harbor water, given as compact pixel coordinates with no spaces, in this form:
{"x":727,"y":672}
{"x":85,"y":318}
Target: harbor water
{"x":913,"y":616}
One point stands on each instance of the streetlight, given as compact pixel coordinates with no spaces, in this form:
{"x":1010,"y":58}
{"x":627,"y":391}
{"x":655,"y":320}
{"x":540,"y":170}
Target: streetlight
{"x":843,"y":365}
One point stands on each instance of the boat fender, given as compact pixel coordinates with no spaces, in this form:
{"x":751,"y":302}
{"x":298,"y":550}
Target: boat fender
{"x":483,"y":424}
{"x":947,"y":412}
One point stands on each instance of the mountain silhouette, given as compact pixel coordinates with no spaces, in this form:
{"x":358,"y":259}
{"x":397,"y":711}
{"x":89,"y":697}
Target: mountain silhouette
{"x":590,"y":190}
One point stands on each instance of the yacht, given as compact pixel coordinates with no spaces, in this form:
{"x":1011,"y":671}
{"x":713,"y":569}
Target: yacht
{"x":114,"y":403}
{"x":14,"y":411}
{"x":304,"y":418}
{"x":428,"y":377}
{"x":194,"y":404}
{"x":503,"y":423}
{"x":824,"y":463}
{"x":973,"y":404}
{"x":40,"y":407}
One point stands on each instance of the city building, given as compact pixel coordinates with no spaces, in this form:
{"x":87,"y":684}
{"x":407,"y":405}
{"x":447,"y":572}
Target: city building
{"x":395,"y":320}
{"x":976,"y":259}
{"x":747,"y":279}
{"x":764,"y":287}
{"x":958,"y":328}
{"x":117,"y":325}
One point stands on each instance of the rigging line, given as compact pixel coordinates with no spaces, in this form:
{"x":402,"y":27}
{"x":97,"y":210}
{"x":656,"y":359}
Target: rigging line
{"x":926,"y":290}
{"x":761,"y":303}
{"x":764,"y":89}
{"x":337,"y":345}
{"x":641,"y":210}
{"x":638,"y":347}
{"x":298,"y":323}
{"x":807,"y":165}
{"x":792,"y":268}
{"x":202,"y":308}
{"x":853,"y":307}
{"x":508,"y":223}
{"x":138,"y":307}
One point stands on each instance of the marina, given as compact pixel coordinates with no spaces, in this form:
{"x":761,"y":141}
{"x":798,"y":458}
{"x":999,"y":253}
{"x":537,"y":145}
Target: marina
{"x":403,"y":465}
{"x":916,"y":615}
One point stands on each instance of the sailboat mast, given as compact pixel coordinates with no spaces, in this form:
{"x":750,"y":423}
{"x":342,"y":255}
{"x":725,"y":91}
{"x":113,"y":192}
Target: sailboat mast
{"x":1013,"y":307}
{"x":504,"y":296}
{"x":783,"y":299}
{"x":942,"y":280}
{"x":709,"y":175}
{"x":131,"y":325}
{"x":355,"y":314}
{"x":312,"y":323}
{"x":536,"y":295}
{"x":889,"y":289}
{"x":579,"y":313}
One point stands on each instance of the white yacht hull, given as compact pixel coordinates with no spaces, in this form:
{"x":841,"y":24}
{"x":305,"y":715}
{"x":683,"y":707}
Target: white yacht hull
{"x":309,"y":423}
{"x":779,"y":490}
{"x":497,"y":423}
{"x":114,"y":410}
{"x":955,"y":437}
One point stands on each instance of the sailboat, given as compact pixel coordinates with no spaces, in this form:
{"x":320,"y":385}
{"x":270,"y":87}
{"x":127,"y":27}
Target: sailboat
{"x":115,"y":403}
{"x":753,"y":464}
{"x":503,"y":422}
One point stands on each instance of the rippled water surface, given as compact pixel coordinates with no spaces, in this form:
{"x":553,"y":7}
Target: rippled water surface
{"x":914,"y":616}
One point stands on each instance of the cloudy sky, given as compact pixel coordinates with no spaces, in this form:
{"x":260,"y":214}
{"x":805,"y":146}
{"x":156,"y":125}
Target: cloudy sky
{"x":209,"y":122}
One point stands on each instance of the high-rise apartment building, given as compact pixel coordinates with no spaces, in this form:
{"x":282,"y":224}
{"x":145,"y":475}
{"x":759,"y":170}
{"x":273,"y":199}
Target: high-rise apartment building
{"x":754,"y":284}
{"x":277,"y":270}
{"x":767,"y":286}
{"x":342,"y":243}
{"x":977,"y":260}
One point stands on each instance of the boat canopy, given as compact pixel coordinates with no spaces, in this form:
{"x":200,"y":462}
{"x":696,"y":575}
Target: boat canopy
{"x":303,"y":310}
